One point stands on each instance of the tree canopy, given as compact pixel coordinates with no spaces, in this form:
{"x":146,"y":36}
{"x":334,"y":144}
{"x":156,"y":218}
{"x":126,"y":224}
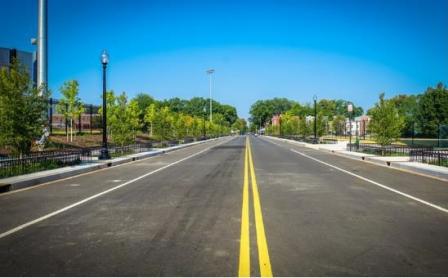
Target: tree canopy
{"x":22,"y":109}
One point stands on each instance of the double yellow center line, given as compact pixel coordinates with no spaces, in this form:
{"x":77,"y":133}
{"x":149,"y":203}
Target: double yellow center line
{"x":263,"y":254}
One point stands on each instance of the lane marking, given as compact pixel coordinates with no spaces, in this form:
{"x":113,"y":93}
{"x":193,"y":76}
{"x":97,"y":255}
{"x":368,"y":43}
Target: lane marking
{"x":375,"y":183}
{"x":104,"y":169}
{"x":244,"y":263}
{"x":47,"y":216}
{"x":357,"y":159}
{"x":263,"y":253}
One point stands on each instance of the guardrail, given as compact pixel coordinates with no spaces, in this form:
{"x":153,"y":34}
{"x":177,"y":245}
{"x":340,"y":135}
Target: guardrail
{"x":434,"y":157}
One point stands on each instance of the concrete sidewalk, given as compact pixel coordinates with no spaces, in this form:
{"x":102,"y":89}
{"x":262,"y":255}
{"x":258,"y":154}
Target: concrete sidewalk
{"x":22,"y":181}
{"x":397,"y":162}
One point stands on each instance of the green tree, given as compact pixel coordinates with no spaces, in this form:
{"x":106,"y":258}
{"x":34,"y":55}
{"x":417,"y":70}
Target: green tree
{"x":407,"y":106}
{"x":240,"y":125}
{"x":150,"y":116}
{"x":22,"y":109}
{"x":163,"y":123}
{"x":305,"y":128}
{"x":144,"y":101}
{"x":433,"y":110}
{"x":386,"y":123}
{"x":341,"y":108}
{"x":262,"y":110}
{"x":338,"y":124}
{"x":124,"y":121}
{"x":70,"y":105}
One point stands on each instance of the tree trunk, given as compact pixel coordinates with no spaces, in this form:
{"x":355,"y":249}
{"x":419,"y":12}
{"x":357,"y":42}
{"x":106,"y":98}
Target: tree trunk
{"x":71,"y":129}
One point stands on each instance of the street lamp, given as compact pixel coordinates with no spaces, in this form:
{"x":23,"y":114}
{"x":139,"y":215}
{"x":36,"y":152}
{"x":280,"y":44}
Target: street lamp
{"x":203,"y":123}
{"x":104,"y":154}
{"x":315,"y":119}
{"x":350,"y":111}
{"x":210,"y":72}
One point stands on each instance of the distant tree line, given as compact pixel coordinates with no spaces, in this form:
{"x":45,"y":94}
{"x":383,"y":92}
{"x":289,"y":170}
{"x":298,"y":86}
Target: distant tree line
{"x":331,"y":116}
{"x":420,"y":115}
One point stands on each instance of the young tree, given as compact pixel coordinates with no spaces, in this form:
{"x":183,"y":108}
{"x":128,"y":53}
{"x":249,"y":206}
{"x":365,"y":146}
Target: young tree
{"x":163,"y":123}
{"x":150,"y":116}
{"x":124,"y":121}
{"x":386,"y":123}
{"x":338,"y":124}
{"x":189,"y":122}
{"x":144,"y":101}
{"x":305,"y":127}
{"x":70,"y":105}
{"x":22,"y":109}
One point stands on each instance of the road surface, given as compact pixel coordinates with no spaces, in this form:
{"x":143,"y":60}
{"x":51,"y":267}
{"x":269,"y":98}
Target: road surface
{"x":235,"y":206}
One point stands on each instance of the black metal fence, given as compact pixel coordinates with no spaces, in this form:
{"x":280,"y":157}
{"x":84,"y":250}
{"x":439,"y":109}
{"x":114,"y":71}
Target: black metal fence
{"x":88,"y":121}
{"x":435,"y":157}
{"x":390,"y":150}
{"x":13,"y":165}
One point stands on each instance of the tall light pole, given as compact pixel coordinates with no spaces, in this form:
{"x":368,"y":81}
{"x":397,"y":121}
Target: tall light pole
{"x":203,"y":123}
{"x":315,"y":119}
{"x":104,"y":154}
{"x":210,"y":73}
{"x":350,"y":111}
{"x":41,"y":41}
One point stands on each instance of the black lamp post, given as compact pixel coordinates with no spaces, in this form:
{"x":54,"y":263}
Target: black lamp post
{"x":315,"y":119}
{"x":437,"y":108}
{"x":350,"y":111}
{"x":104,"y":154}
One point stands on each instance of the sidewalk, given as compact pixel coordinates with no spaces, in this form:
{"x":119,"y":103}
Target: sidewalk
{"x":397,"y":162}
{"x":18,"y":182}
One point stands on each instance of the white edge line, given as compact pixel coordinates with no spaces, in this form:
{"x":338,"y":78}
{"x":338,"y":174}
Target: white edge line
{"x":103,"y":169}
{"x":375,"y":183}
{"x":40,"y":219}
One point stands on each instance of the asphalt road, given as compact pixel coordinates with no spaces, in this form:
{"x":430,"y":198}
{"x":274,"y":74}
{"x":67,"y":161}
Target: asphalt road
{"x":229,"y":208}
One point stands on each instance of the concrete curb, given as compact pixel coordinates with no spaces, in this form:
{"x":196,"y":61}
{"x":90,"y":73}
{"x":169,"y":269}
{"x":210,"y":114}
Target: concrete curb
{"x":28,"y":180}
{"x":437,"y":172}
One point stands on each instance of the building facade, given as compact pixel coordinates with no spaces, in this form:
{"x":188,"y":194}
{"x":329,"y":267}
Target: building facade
{"x":26,"y":59}
{"x":359,"y":126}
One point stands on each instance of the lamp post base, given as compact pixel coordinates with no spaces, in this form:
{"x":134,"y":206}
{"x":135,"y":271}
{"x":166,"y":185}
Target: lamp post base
{"x":104,"y":154}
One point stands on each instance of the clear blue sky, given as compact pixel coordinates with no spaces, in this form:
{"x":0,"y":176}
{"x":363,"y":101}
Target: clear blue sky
{"x":260,"y":49}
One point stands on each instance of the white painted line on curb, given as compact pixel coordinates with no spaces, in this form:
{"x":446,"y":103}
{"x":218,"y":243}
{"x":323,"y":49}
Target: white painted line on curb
{"x":375,"y":183}
{"x":40,"y":219}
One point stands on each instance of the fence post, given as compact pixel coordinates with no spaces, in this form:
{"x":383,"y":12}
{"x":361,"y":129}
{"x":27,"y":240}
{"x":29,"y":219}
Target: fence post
{"x":66,"y":120}
{"x":79,"y":123}
{"x":91,"y":122}
{"x":50,"y":120}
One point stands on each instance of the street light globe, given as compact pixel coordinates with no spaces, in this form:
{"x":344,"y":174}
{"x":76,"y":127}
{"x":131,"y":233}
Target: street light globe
{"x":104,"y":57}
{"x":350,"y":107}
{"x":314,"y":97}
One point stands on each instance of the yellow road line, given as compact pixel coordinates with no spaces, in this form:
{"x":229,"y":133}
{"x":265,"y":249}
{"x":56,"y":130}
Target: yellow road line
{"x":244,"y":266}
{"x":263,"y":253}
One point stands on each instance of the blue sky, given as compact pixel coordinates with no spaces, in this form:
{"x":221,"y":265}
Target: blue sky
{"x":260,"y":49}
